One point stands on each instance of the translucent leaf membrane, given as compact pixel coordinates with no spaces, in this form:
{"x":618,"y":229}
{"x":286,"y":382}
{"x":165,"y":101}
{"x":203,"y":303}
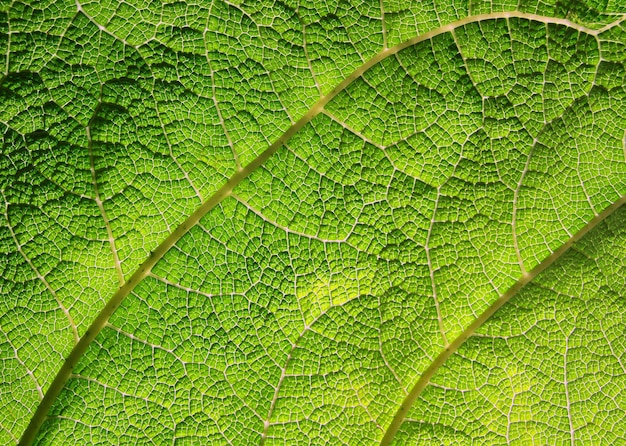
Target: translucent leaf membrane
{"x":548,"y":368}
{"x":307,"y":304}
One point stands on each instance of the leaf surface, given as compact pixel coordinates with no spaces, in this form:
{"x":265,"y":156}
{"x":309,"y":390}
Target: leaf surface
{"x":304,"y":210}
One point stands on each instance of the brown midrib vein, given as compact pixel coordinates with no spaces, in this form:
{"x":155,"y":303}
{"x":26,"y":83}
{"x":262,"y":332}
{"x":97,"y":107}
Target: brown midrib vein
{"x":526,"y":278}
{"x":144,"y":269}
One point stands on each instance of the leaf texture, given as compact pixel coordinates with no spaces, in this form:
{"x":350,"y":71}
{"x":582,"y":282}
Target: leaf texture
{"x":423,"y":160}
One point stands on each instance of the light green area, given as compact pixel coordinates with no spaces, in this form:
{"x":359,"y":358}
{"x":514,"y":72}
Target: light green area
{"x":306,"y":305}
{"x":548,"y":368}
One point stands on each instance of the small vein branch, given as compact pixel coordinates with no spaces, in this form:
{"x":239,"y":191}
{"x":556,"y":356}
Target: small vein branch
{"x":39,"y":275}
{"x":29,"y":372}
{"x":432,"y":272}
{"x":107,"y":224}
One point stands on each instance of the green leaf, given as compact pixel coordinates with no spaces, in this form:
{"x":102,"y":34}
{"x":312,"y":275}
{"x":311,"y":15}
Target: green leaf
{"x":318,"y":223}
